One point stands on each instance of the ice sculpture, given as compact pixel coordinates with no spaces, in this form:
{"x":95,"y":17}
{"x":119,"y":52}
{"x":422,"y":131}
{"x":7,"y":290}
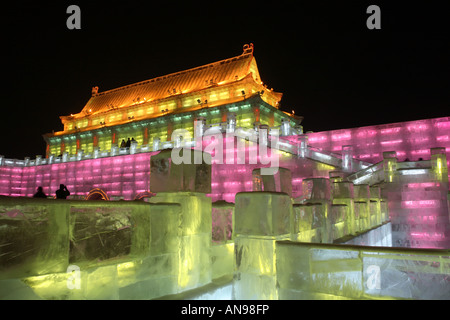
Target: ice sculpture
{"x":260,"y":219}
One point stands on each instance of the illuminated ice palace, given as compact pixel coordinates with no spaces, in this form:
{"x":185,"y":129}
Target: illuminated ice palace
{"x":360,"y":213}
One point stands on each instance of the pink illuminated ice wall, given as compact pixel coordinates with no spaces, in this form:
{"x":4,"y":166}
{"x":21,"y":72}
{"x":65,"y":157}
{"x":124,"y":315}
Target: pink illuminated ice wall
{"x":411,"y":140}
{"x":120,"y":176}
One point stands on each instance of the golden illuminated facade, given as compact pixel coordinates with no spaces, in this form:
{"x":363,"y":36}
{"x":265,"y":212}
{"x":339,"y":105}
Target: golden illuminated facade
{"x":154,"y":108}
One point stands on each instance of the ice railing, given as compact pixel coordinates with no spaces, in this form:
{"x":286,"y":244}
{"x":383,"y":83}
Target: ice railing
{"x":312,"y":153}
{"x":375,"y":173}
{"x":360,"y":272}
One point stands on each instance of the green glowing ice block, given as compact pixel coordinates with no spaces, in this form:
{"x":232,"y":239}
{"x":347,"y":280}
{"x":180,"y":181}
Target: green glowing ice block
{"x":195,"y":237}
{"x":316,"y":189}
{"x":33,"y":237}
{"x":166,"y":176}
{"x":308,"y":223}
{"x":311,"y":271}
{"x":262,"y":213}
{"x":261,"y":218}
{"x":343,"y":193}
{"x":222,"y":260}
{"x":338,"y":220}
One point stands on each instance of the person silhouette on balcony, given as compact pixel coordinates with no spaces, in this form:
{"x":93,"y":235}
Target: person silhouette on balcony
{"x":40,"y":193}
{"x":62,"y":192}
{"x":128,"y":145}
{"x":123,"y":144}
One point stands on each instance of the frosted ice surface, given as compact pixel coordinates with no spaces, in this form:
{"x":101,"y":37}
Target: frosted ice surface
{"x":166,"y":176}
{"x":262,"y":213}
{"x":278,"y":182}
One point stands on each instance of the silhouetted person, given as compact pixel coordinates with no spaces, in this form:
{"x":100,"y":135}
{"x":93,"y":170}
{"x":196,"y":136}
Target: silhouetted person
{"x":62,"y":192}
{"x":123,"y":144}
{"x":40,"y":193}
{"x":128,"y":143}
{"x":132,"y":140}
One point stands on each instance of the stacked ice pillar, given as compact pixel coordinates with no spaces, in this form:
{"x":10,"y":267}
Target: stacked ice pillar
{"x":222,"y":249}
{"x":261,"y":218}
{"x":309,"y":222}
{"x":186,"y":184}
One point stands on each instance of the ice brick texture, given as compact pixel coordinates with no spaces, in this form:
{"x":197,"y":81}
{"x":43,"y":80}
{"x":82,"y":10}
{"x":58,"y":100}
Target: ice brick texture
{"x":124,"y":250}
{"x":318,"y":271}
{"x":222,"y":222}
{"x":418,"y":205}
{"x":167,"y":176}
{"x":195,"y":236}
{"x":411,"y":140}
{"x":260,"y":219}
{"x":33,"y":237}
{"x":121,"y":176}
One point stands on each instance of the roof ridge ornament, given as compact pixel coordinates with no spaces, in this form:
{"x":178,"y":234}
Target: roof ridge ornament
{"x":248,"y":48}
{"x":94,"y":91}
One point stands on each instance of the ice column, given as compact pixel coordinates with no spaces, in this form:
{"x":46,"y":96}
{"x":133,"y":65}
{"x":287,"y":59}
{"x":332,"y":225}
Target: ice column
{"x":362,"y":207}
{"x":343,"y":194}
{"x":156,"y":142}
{"x":187,"y":184}
{"x":285,"y":127}
{"x":309,"y":222}
{"x":199,"y":127}
{"x":261,"y":218}
{"x":303,"y":145}
{"x":347,"y":158}
{"x":389,"y":165}
{"x":231,"y":122}
{"x":279,"y":182}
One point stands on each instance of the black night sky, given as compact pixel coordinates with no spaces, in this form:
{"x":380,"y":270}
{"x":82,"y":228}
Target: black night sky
{"x":330,"y":67}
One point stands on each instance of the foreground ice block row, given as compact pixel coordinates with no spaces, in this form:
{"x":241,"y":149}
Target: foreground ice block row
{"x":193,"y":173}
{"x":126,"y":250}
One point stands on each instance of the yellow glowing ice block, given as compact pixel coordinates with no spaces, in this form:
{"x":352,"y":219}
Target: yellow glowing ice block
{"x":195,"y":237}
{"x":260,"y":219}
{"x":33,"y":237}
{"x":343,"y":194}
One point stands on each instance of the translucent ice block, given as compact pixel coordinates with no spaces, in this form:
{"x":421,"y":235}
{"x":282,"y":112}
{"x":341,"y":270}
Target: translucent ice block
{"x":343,"y":190}
{"x":33,"y":236}
{"x":166,"y":176}
{"x":255,"y":276}
{"x":316,"y":189}
{"x":194,"y":229}
{"x":222,"y":221}
{"x":279,"y":182}
{"x":308,"y":223}
{"x":262,"y":213}
{"x":195,"y":210}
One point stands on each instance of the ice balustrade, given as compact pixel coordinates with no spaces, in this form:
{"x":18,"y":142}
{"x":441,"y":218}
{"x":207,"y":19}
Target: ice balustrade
{"x":327,"y":212}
